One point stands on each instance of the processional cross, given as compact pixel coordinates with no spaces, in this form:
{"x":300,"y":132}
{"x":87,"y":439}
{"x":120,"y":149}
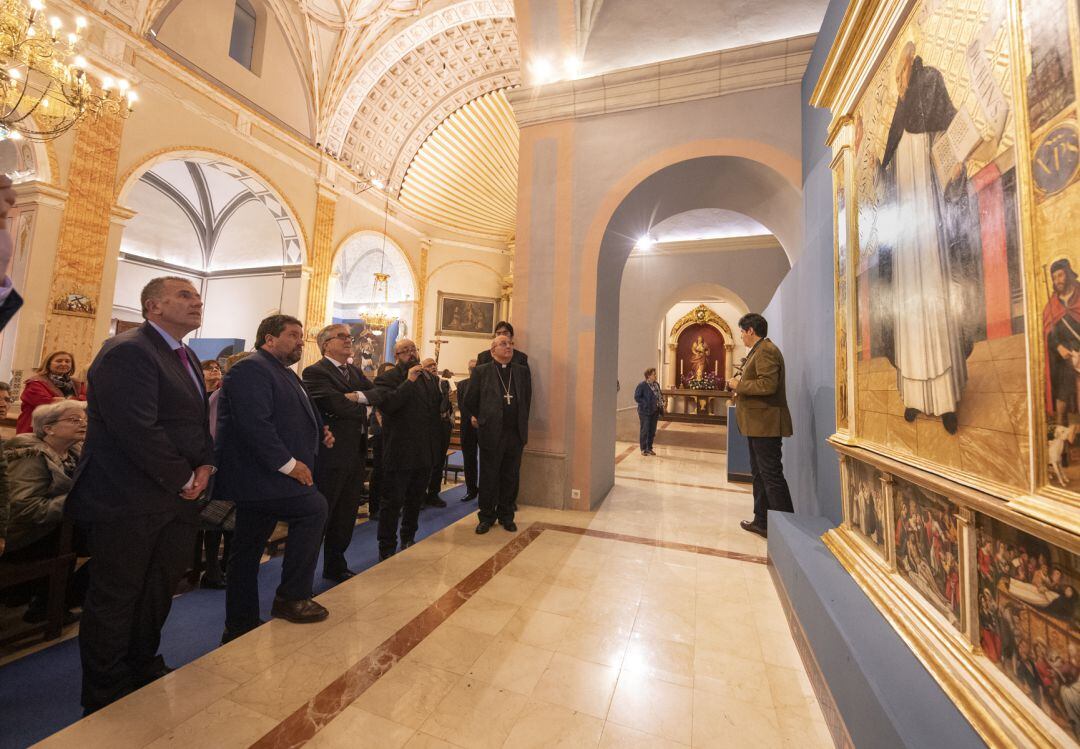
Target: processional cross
{"x":438,"y":345}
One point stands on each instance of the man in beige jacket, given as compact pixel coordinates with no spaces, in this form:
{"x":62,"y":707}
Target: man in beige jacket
{"x":762,"y":414}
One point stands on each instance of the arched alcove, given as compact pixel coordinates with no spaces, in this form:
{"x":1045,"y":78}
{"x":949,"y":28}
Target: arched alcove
{"x":208,"y":218}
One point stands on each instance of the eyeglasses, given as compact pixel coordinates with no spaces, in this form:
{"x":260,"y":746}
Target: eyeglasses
{"x":411,"y":349}
{"x":343,"y":337}
{"x":75,"y":420}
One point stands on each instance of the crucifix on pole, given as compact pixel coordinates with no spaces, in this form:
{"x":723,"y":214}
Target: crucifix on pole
{"x":438,"y":346}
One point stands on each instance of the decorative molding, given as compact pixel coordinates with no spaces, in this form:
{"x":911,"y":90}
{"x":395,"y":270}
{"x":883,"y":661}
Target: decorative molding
{"x":704,"y":76}
{"x":389,"y":54}
{"x":723,"y":244}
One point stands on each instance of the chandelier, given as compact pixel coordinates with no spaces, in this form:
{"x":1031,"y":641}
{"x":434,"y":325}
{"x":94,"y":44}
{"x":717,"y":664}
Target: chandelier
{"x":378,"y":318}
{"x":44,"y":86}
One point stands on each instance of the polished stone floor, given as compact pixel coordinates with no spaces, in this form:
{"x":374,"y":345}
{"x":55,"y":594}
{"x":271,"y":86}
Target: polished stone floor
{"x":652,"y":622}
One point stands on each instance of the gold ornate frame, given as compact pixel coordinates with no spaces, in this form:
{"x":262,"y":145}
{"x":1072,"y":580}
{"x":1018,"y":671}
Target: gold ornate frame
{"x":1001,"y":713}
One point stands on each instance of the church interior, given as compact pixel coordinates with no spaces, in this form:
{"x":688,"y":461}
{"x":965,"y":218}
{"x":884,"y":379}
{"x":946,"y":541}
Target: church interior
{"x":893,"y":185}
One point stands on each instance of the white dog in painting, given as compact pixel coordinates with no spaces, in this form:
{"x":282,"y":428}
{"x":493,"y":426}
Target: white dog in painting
{"x":1062,"y":436}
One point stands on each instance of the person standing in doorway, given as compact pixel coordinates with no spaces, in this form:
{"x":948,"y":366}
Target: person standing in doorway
{"x":650,"y":406}
{"x":762,"y":414}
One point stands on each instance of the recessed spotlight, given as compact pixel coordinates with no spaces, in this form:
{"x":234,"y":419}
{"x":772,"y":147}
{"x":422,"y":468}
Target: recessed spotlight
{"x":542,"y":70}
{"x":645,"y":242}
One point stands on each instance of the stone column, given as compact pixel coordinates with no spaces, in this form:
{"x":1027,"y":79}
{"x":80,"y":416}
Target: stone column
{"x":75,"y":292}
{"x":729,"y":366}
{"x":507,"y":312}
{"x":321,"y":261}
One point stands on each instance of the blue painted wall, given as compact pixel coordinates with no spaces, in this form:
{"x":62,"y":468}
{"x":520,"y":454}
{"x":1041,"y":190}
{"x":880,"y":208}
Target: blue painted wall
{"x":800,"y":314}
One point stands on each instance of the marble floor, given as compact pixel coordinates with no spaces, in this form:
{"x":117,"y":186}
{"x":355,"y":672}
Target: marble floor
{"x":652,"y":622}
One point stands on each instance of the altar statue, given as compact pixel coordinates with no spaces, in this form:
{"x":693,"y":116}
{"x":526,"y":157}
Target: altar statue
{"x":699,"y":359}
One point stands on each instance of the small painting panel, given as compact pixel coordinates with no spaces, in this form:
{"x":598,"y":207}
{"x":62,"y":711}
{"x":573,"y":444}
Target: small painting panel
{"x":868,"y":516}
{"x":466,"y":315}
{"x":1029,"y":621}
{"x":927,"y":546}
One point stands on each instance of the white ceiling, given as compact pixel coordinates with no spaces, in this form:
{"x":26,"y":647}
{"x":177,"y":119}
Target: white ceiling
{"x":706,"y":223}
{"x":626,"y":33}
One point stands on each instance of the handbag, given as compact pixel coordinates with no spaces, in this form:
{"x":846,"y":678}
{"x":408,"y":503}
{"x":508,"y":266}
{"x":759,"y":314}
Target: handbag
{"x":219,"y":514}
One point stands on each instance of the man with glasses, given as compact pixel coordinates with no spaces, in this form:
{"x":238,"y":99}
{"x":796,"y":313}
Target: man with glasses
{"x":339,"y":389}
{"x":409,"y":399}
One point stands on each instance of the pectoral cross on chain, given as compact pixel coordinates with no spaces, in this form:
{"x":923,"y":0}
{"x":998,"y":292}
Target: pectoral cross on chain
{"x":508,"y":398}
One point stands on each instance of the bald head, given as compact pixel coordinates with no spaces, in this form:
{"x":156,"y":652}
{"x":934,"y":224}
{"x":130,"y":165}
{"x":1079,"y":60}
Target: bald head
{"x":502,"y":349}
{"x":405,"y":352}
{"x":430,"y":365}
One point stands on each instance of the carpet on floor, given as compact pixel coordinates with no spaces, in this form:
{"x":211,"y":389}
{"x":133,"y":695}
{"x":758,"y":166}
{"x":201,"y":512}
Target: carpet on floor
{"x":39,"y":693}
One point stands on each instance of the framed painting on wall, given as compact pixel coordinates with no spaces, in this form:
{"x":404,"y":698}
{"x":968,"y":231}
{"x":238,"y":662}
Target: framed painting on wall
{"x":462,"y":315}
{"x":868,"y":515}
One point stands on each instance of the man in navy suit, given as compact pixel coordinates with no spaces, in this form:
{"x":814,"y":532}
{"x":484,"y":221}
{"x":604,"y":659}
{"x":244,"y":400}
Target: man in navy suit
{"x":268,"y":435}
{"x":147,"y":457}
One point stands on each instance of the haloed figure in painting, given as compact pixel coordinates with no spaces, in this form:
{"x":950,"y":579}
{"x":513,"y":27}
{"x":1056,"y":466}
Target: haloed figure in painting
{"x":929,"y":194}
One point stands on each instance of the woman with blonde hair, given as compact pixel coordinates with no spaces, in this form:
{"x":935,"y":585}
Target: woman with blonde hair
{"x":54,"y":381}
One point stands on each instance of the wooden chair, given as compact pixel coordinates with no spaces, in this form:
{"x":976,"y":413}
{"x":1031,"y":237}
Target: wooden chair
{"x":56,"y":569}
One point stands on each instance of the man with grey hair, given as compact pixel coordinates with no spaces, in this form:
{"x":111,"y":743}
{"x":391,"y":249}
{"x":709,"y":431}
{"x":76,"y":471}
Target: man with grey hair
{"x":339,"y":390}
{"x":409,"y":400}
{"x":148,"y":456}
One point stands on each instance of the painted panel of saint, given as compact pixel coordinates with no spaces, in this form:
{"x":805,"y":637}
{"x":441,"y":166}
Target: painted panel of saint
{"x":927,"y":554}
{"x":1050,"y":39}
{"x":868,"y":504}
{"x":940,"y":316}
{"x":1029,"y":619}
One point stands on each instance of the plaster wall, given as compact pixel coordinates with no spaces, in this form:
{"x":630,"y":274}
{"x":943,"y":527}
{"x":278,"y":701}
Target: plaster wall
{"x":199,"y":31}
{"x":574,"y":176}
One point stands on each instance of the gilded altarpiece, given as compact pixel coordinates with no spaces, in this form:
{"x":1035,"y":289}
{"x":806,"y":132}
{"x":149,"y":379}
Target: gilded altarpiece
{"x":956,"y":188}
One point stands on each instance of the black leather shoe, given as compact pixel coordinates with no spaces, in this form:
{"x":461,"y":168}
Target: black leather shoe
{"x":748,"y":525}
{"x":950,"y":422}
{"x":469,"y":497}
{"x":230,"y":633}
{"x":384,"y":555}
{"x":338,"y":576}
{"x":211,"y":583}
{"x":509,"y":525}
{"x":305,"y":611}
{"x":407,"y":544}
{"x":435,"y":501}
{"x":483,"y":527}
{"x":155,"y":672}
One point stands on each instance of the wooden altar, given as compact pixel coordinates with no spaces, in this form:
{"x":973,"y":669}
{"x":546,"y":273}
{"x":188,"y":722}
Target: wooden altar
{"x":696,"y":406}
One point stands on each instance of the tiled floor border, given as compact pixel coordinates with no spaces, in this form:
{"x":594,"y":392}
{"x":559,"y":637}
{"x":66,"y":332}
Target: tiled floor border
{"x":316,"y":713}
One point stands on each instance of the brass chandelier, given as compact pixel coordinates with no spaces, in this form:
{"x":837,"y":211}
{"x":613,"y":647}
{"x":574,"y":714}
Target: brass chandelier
{"x":44,"y":86}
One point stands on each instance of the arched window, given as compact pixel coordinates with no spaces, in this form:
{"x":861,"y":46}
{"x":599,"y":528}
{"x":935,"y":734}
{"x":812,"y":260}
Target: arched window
{"x":242,"y":42}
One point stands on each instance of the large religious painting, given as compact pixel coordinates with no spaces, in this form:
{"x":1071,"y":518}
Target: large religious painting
{"x":927,"y":548}
{"x":1029,"y":620}
{"x":466,"y":315}
{"x":1050,"y":83}
{"x":841,"y":302}
{"x":868,"y":516}
{"x":941,"y":367}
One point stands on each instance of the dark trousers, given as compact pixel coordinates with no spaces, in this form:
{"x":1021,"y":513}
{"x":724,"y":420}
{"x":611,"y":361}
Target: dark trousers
{"x":500,"y":470}
{"x":137,"y":562}
{"x":255,"y":521}
{"x":469,"y":450}
{"x":437,"y":471}
{"x":211,"y":546}
{"x":770,"y":486}
{"x":378,"y":476}
{"x":340,"y":478}
{"x":403,"y":493}
{"x":647,"y":433}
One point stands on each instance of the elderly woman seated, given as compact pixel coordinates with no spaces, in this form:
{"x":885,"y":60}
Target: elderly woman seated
{"x":40,"y":468}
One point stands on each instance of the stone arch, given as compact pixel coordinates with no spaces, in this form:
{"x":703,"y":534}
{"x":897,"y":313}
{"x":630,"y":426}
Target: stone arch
{"x":293,"y":236}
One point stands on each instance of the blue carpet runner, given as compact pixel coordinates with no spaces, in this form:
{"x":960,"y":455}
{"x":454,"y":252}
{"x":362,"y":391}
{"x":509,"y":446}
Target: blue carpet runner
{"x":39,"y":694}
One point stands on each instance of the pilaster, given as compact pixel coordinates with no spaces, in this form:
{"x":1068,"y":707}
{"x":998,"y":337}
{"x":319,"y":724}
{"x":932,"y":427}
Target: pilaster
{"x":321,"y":262}
{"x":421,"y":292}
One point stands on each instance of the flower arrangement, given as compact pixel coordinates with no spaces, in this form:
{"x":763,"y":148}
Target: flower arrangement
{"x":708,"y":381}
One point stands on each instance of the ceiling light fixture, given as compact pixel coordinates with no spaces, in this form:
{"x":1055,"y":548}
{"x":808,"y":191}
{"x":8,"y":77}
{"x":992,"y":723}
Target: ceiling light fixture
{"x":645,"y":242}
{"x":542,"y":71}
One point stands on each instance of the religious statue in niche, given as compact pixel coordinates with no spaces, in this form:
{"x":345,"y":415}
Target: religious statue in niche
{"x":939,"y":292}
{"x":700,"y":354}
{"x":1029,"y":619}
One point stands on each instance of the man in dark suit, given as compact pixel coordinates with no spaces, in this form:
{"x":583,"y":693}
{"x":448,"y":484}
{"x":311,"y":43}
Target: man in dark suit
{"x":446,"y":427}
{"x":468,"y":438}
{"x":409,"y":400}
{"x":503,"y":328}
{"x":498,"y":399}
{"x":147,"y":457}
{"x":762,"y":413}
{"x":338,"y":389}
{"x":268,"y":435}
